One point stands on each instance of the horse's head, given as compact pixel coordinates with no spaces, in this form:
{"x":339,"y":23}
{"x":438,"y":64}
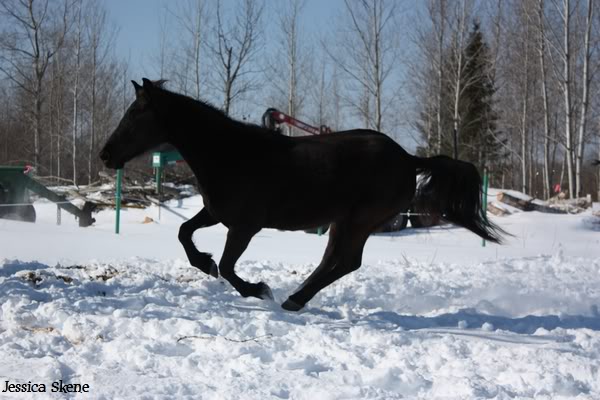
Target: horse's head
{"x":138,"y":131}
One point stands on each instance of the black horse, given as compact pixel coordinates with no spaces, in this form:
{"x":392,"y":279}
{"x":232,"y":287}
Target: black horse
{"x":251,"y":178}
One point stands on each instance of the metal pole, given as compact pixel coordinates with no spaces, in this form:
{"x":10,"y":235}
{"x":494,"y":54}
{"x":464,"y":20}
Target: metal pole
{"x":485,"y":196}
{"x":118,"y":201}
{"x":158,"y":187}
{"x":158,"y":173}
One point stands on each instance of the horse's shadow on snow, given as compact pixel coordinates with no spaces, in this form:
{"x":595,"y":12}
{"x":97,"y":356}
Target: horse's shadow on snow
{"x":469,"y":318}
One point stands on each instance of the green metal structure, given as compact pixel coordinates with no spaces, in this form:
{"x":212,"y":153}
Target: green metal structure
{"x":15,"y":202}
{"x":160,"y":160}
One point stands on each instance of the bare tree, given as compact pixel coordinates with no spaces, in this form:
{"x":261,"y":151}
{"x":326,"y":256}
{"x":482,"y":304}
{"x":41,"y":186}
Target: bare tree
{"x":544,"y":89}
{"x":100,"y":38}
{"x":296,"y":60}
{"x":39,"y":29}
{"x":367,"y":52}
{"x":431,"y":41}
{"x":238,"y":42}
{"x":320,"y":94}
{"x":192,"y":16}
{"x":585,"y":95}
{"x":76,"y":80}
{"x":290,"y":67}
{"x":457,"y":72}
{"x":526,"y":84}
{"x":435,"y":53}
{"x":57,"y":110}
{"x":163,"y":49}
{"x":565,"y":80}
{"x":438,"y":14}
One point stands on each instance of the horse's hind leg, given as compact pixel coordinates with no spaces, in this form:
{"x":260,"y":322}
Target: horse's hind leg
{"x":343,"y":255}
{"x":237,"y":242}
{"x":202,"y":261}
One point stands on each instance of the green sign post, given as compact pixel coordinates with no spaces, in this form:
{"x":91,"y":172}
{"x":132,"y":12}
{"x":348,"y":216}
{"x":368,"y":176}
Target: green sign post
{"x":161,"y":159}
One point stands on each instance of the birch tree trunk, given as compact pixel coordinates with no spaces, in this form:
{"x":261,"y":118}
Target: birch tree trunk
{"x":525,"y":110}
{"x":544,"y":89}
{"x":566,"y":16}
{"x":377,"y":67}
{"x":585,"y":94}
{"x":76,"y":94}
{"x":440,"y":73}
{"x":289,"y":25}
{"x":458,"y":52}
{"x":197,"y":34}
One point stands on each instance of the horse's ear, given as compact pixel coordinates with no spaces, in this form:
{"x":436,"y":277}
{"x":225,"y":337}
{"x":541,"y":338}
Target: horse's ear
{"x":147,"y":83}
{"x":138,"y":89}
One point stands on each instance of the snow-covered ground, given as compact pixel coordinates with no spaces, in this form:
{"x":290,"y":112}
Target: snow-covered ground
{"x":431,"y":314}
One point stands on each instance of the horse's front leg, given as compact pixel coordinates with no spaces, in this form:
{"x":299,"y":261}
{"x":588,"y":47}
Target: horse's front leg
{"x":237,"y":242}
{"x":202,"y":261}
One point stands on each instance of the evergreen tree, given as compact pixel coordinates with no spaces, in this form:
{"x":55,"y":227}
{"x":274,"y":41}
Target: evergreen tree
{"x":478,"y":141}
{"x":478,"y":137}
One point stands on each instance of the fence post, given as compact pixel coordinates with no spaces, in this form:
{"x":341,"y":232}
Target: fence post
{"x":118,"y":201}
{"x":158,"y":173}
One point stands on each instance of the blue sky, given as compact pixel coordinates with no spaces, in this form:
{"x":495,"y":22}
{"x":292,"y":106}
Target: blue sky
{"x":139,"y":33}
{"x":138,"y":23}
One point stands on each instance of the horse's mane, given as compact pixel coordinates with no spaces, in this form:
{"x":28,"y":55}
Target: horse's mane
{"x":205,"y":106}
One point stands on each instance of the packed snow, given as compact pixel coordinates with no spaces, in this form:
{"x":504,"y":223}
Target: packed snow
{"x":431,"y":313}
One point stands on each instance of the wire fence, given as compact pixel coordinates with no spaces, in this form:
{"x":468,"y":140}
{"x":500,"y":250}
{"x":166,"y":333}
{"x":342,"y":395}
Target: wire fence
{"x":408,"y":214}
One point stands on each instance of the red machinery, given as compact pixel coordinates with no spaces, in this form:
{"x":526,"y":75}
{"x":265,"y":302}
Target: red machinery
{"x":273,"y":118}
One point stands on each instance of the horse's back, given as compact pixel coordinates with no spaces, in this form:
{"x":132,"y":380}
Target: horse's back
{"x":327,"y":177}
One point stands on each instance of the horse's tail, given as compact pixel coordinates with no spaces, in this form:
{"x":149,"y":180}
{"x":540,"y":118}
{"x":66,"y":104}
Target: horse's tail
{"x":452,"y":189}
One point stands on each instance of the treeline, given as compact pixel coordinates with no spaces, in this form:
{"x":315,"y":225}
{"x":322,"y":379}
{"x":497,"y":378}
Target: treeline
{"x":62,"y":87}
{"x":513,"y":87}
{"x":510,"y":85}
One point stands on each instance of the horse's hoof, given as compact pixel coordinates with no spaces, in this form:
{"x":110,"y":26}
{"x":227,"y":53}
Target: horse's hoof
{"x":291,"y":305}
{"x":214,"y":270}
{"x":264,"y":291}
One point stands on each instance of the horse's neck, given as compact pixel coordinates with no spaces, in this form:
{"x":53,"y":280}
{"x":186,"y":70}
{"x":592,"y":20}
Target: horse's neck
{"x":203,"y":139}
{"x":196,"y":126}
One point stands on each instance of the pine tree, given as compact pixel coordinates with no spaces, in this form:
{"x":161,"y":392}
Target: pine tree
{"x":479,"y":141}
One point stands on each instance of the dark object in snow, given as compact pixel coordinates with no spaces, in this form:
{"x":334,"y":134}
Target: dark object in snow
{"x":18,"y":212}
{"x":252,"y":178}
{"x":14,"y":197}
